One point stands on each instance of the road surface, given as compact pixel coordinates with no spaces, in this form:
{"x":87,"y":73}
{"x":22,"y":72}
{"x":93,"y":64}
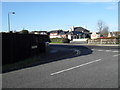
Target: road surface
{"x":90,"y":67}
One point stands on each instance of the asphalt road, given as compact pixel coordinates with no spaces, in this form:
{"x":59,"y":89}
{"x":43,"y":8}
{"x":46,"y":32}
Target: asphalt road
{"x":89,"y":67}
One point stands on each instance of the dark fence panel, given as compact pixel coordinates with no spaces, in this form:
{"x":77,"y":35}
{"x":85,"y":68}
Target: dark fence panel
{"x":16,"y":47}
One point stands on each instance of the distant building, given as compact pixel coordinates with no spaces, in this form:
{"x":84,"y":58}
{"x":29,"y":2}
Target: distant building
{"x":110,"y":34}
{"x":74,"y":34}
{"x":95,"y":35}
{"x":79,"y":29}
{"x":116,"y":34}
{"x":57,"y":34}
{"x":78,"y":33}
{"x":39,"y":32}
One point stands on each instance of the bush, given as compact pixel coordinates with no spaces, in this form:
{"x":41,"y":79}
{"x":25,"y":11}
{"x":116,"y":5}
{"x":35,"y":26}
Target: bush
{"x":24,"y":31}
{"x":118,"y":37}
{"x":65,"y":40}
{"x":59,"y":40}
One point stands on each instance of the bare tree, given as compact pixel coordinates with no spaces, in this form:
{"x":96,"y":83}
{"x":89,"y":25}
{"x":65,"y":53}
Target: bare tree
{"x":100,"y":25}
{"x":103,"y":29}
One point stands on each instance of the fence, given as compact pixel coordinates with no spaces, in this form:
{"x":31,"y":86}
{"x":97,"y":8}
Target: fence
{"x":16,"y":47}
{"x":104,"y":41}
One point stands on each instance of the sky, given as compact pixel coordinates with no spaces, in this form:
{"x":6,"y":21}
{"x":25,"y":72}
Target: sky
{"x":47,"y":16}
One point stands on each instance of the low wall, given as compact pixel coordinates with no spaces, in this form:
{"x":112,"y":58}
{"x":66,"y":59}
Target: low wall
{"x":104,"y":41}
{"x":79,"y":40}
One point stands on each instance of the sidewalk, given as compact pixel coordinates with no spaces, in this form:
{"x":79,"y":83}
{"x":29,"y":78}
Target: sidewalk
{"x":53,"y":54}
{"x":86,"y":44}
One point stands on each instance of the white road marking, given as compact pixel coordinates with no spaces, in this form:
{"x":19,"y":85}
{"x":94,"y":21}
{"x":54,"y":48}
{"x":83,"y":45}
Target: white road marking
{"x":108,"y":50}
{"x":100,"y":50}
{"x":116,"y":55}
{"x":77,"y":52}
{"x":75,"y":67}
{"x":92,"y":49}
{"x":115,"y":51}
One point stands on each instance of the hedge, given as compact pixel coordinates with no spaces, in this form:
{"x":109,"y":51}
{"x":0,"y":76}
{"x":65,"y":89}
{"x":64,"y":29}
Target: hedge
{"x":60,"y":40}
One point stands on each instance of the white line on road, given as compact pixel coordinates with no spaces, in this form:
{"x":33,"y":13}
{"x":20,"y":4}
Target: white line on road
{"x":115,"y":51}
{"x":77,"y":52}
{"x":108,"y":50}
{"x":116,"y":55}
{"x":100,"y":50}
{"x":75,"y":67}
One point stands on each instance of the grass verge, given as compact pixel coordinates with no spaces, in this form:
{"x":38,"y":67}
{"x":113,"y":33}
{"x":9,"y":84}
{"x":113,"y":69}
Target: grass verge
{"x":20,"y":64}
{"x":56,"y":42}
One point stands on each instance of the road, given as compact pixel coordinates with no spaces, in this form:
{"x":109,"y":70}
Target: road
{"x":89,"y":67}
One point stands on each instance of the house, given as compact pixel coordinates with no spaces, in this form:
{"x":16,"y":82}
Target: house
{"x":111,"y":34}
{"x":58,"y":34}
{"x":63,"y":34}
{"x":79,"y":29}
{"x":95,"y":35}
{"x":116,"y":34}
{"x":74,"y":34}
{"x":39,"y":32}
{"x":78,"y":34}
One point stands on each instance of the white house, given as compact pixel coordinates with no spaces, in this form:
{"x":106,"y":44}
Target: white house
{"x":78,"y":34}
{"x":95,"y":35}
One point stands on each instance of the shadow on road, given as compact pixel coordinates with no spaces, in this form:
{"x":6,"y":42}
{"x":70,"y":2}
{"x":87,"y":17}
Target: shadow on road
{"x":55,"y":53}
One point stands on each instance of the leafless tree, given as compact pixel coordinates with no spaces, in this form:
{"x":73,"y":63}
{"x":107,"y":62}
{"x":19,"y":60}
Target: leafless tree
{"x":103,"y":29}
{"x":100,"y":25}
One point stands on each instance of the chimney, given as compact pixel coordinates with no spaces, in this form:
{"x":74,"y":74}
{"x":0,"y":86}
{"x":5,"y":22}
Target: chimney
{"x":72,"y":28}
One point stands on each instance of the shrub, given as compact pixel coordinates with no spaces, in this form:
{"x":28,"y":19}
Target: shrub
{"x":65,"y":40}
{"x":56,"y":40}
{"x":24,"y":31}
{"x":59,"y":40}
{"x":118,"y":37}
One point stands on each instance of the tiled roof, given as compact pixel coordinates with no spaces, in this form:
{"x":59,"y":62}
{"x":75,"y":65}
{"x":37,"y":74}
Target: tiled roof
{"x":75,"y":32}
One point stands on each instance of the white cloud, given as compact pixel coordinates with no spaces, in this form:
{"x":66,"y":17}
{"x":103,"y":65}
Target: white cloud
{"x":59,"y":0}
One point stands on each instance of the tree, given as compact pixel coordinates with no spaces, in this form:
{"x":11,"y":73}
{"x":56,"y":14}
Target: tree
{"x":24,"y":31}
{"x":103,"y":29}
{"x":100,"y":25}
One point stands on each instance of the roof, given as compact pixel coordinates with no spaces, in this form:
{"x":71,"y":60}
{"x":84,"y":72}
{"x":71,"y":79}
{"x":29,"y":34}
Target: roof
{"x":56,"y":31}
{"x":63,"y":33}
{"x":75,"y":32}
{"x":117,"y":33}
{"x":81,"y":29}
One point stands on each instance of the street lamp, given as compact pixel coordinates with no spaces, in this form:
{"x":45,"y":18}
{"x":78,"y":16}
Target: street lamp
{"x":9,"y":19}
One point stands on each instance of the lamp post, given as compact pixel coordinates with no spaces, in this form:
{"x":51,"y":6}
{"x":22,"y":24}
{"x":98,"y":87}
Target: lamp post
{"x":9,"y":19}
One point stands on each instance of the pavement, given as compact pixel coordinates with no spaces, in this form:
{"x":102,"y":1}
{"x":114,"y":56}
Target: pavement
{"x":89,"y":67}
{"x":85,"y":44}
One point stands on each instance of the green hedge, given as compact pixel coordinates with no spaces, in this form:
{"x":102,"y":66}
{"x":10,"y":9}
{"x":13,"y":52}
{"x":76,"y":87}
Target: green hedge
{"x":65,"y":40}
{"x":59,"y":40}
